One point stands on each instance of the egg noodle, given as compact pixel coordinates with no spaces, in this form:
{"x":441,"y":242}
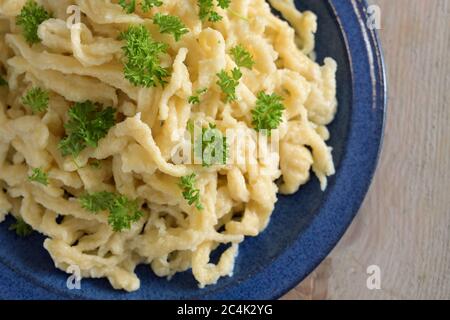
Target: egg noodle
{"x":79,"y":57}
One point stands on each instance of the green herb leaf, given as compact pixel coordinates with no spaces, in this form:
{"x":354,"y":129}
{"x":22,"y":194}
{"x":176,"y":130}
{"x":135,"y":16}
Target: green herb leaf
{"x":21,"y":228}
{"x":228,"y":83}
{"x":148,"y":4}
{"x":122,"y":211}
{"x":142,"y":66}
{"x":215,"y":17}
{"x":36,"y":99}
{"x":88,"y":123}
{"x":97,"y":202}
{"x":39,"y":176}
{"x":242,"y":57}
{"x":224,"y":4}
{"x":3,"y":82}
{"x":30,"y":17}
{"x":128,"y":5}
{"x":195,"y":99}
{"x":206,"y":9}
{"x":190,"y":193}
{"x":211,"y":146}
{"x":191,"y":128}
{"x":170,"y":24}
{"x":268,"y":112}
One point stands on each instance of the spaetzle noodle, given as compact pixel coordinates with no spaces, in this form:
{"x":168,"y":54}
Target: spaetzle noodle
{"x":85,"y":61}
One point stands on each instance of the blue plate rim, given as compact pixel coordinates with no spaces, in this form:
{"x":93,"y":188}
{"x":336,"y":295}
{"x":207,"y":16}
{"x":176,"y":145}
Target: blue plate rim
{"x":380,"y":102}
{"x":379,"y":97}
{"x":378,"y":85}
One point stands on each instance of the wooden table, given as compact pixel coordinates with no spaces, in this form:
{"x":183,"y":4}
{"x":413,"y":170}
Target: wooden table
{"x":404,"y":224}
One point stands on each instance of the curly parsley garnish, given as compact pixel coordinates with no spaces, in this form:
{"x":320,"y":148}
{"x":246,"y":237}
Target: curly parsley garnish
{"x":128,"y":5}
{"x":30,"y":17}
{"x":3,"y":82}
{"x":142,"y":53}
{"x":268,"y":112}
{"x":242,"y":57}
{"x":211,"y":146}
{"x":207,"y":9}
{"x":39,"y":176}
{"x":36,"y":99}
{"x":228,"y":83}
{"x":122,"y":211}
{"x":21,"y":228}
{"x":88,"y":123}
{"x":224,"y":4}
{"x":170,"y":24}
{"x":148,"y":4}
{"x":195,"y":99}
{"x":190,"y":193}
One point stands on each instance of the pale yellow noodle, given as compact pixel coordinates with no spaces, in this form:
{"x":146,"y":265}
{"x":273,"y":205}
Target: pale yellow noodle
{"x":85,"y":62}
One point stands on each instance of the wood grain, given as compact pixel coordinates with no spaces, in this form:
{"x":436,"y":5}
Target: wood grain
{"x":404,"y":223}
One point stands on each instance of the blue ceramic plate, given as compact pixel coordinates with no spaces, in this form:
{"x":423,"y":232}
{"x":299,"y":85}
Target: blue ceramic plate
{"x":304,"y":227}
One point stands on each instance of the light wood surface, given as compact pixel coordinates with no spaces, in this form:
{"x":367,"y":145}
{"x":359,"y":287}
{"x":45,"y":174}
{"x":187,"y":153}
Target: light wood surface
{"x":404,"y":223}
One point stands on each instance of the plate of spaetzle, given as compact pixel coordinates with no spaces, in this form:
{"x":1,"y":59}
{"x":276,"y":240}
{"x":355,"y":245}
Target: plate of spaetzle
{"x":195,"y":149}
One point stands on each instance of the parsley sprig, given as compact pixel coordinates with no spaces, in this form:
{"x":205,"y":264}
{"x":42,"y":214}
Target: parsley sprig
{"x":242,"y":57}
{"x":170,"y":24}
{"x":207,"y":9}
{"x":228,"y":83}
{"x":88,"y":123}
{"x":148,"y":4}
{"x":195,"y":99}
{"x":21,"y":228}
{"x":268,"y":112}
{"x":39,"y":176}
{"x":3,"y":82}
{"x":142,"y":53}
{"x":30,"y":17}
{"x":122,"y":211}
{"x":210,"y":146}
{"x":36,"y":99}
{"x":190,"y":193}
{"x":223,"y":3}
{"x":130,"y":5}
